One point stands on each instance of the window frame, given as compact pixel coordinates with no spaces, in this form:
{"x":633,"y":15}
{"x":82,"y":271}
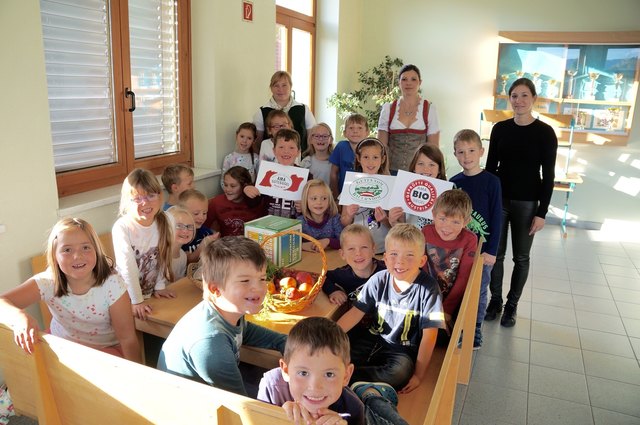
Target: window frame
{"x":83,"y":180}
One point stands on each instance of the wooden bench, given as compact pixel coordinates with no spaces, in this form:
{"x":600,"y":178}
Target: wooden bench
{"x":67,"y":383}
{"x":433,"y":401}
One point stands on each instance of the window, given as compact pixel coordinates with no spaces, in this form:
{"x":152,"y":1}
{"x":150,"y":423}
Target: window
{"x":295,"y":45}
{"x":118,"y":76}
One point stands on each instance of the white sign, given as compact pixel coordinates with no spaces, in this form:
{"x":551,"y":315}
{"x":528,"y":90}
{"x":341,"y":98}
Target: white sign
{"x":366,"y":190}
{"x":281,"y":181}
{"x":416,"y":194}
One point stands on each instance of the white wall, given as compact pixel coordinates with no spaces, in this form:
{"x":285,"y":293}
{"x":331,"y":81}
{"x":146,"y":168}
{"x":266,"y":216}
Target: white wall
{"x":455,"y":46}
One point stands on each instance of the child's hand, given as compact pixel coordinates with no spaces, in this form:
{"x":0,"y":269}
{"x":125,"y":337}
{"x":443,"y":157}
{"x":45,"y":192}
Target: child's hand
{"x":210,"y":238}
{"x":413,"y":383}
{"x":379,"y":214}
{"x":488,"y":259}
{"x":298,"y":205}
{"x":351,"y":209}
{"x":329,"y":417}
{"x":25,"y":331}
{"x":308,"y":246}
{"x":297,"y":413}
{"x":251,"y":191}
{"x":396,"y":215}
{"x":140,"y":311}
{"x":338,"y":297}
{"x":164,"y":293}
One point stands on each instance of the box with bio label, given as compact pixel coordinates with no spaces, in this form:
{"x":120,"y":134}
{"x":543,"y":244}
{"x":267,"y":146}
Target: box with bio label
{"x":283,"y":250}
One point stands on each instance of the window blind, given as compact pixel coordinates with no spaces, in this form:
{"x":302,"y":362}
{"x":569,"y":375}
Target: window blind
{"x":78,"y":65}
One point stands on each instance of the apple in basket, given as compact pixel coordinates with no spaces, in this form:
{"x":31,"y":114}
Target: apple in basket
{"x":293,"y":293}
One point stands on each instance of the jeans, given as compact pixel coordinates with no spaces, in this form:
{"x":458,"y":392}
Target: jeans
{"x":482,"y":302}
{"x":377,"y":361}
{"x":519,"y":215}
{"x":380,"y":411}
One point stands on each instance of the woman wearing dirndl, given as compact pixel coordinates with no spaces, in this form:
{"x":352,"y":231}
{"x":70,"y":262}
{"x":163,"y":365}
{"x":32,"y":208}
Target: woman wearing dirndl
{"x":408,"y":122}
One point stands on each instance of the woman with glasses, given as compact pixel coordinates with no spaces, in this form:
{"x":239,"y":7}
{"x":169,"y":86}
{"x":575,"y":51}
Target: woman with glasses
{"x":408,"y":122}
{"x":282,"y":99}
{"x":316,"y":157}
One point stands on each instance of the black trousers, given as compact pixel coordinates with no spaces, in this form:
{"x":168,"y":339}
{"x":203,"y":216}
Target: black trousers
{"x":517,"y":217}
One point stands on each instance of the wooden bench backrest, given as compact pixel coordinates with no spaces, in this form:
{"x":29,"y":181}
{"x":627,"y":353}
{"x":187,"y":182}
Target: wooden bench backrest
{"x":67,"y":383}
{"x":433,"y":401}
{"x":39,"y":264}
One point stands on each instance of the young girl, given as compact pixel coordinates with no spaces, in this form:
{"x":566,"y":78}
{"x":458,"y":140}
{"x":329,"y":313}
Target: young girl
{"x":320,"y":218}
{"x":184,"y":231}
{"x":142,"y":240}
{"x":316,"y":157}
{"x":427,"y":161}
{"x":371,"y":158}
{"x":87,"y":299}
{"x":276,"y":121}
{"x":243,"y":155}
{"x":286,"y":150}
{"x":230,"y":210}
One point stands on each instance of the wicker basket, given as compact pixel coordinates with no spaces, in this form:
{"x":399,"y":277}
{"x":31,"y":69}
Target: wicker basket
{"x":280,"y":303}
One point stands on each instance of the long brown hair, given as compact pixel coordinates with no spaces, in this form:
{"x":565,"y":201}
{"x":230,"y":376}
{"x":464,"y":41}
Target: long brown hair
{"x":140,"y":180}
{"x":433,"y":153}
{"x":104,"y":265}
{"x":365,"y":143}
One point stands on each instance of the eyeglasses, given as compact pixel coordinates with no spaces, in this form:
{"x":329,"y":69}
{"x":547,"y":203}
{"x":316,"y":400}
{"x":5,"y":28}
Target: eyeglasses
{"x":181,"y":226}
{"x":321,"y":136}
{"x":148,"y":198}
{"x":278,"y":126}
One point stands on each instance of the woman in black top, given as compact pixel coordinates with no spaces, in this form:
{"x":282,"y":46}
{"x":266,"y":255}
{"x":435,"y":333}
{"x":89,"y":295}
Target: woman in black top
{"x":520,"y":148}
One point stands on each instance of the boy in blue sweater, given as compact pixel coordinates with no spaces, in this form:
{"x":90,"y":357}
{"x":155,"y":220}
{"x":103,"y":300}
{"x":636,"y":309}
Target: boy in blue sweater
{"x":486,"y":198}
{"x":205,"y":344}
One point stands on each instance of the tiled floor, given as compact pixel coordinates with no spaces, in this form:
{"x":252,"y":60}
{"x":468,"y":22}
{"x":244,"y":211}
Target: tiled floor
{"x":573,"y":356}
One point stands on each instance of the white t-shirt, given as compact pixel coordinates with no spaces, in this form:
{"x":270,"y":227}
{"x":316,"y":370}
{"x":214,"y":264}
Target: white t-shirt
{"x":418,"y":124}
{"x":82,"y":318}
{"x":320,"y":169}
{"x":179,"y":265}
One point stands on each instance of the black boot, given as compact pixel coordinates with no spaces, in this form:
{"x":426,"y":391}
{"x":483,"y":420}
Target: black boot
{"x":509,"y":315}
{"x":493,"y":309}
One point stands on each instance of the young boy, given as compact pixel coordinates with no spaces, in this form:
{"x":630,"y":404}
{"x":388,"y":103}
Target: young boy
{"x":310,"y":383}
{"x":397,"y":348}
{"x":450,"y":248}
{"x":176,"y":178}
{"x":197,"y":204}
{"x":286,"y":150}
{"x":486,"y":219}
{"x":357,"y":247}
{"x":344,"y":154}
{"x":205,"y":344}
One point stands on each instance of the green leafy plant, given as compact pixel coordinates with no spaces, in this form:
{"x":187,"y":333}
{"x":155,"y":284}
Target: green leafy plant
{"x":378,"y":85}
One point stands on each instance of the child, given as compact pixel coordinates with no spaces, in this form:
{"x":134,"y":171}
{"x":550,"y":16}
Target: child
{"x":427,"y":161}
{"x":87,"y":299}
{"x":356,"y":249}
{"x":205,"y":343}
{"x":310,"y":382}
{"x":142,"y":239}
{"x":450,"y":248}
{"x":316,"y":157}
{"x":371,"y":158}
{"x":320,"y":218}
{"x":286,"y":150}
{"x":405,"y":300}
{"x":276,"y":121}
{"x":344,"y":155}
{"x":243,"y":154}
{"x":184,"y":231}
{"x":176,"y":178}
{"x":197,"y":204}
{"x":229,"y":211}
{"x":486,"y":219}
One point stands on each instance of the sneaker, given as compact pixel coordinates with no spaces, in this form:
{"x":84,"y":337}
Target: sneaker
{"x":382,"y":388}
{"x":477,"y":344}
{"x":509,"y":315}
{"x":493,"y":309}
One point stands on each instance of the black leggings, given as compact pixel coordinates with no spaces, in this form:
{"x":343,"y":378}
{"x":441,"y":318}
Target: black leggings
{"x":518,"y":215}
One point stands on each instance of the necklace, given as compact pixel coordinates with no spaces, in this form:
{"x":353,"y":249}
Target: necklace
{"x":409,"y":113}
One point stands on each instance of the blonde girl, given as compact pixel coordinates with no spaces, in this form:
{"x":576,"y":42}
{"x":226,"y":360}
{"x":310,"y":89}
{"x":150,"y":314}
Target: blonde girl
{"x":427,"y":161}
{"x":87,"y":299}
{"x":243,"y":155}
{"x":142,"y":241}
{"x":320,"y":218}
{"x":371,"y":158}
{"x":184,"y":229}
{"x":316,"y":157}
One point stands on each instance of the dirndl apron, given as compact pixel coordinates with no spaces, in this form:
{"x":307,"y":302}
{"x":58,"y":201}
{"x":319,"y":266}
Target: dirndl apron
{"x":403,"y":143}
